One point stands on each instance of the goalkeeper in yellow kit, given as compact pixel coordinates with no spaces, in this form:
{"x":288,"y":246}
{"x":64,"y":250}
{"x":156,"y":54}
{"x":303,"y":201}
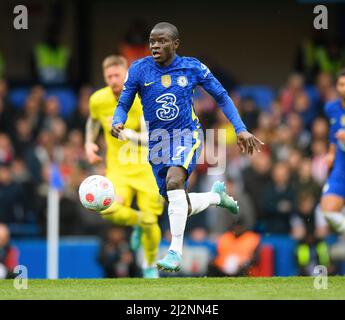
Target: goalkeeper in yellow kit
{"x":126,"y":164}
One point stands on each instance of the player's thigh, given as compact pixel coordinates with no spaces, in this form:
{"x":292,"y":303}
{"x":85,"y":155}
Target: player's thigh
{"x":332,"y":203}
{"x":124,"y":193}
{"x":147,"y":193}
{"x":151,"y":203}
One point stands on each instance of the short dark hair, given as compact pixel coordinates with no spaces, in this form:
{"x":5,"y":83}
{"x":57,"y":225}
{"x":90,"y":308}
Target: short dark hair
{"x":170,"y":27}
{"x":340,"y":74}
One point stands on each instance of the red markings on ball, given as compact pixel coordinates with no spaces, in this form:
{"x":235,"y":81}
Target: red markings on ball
{"x":106,"y":202}
{"x":89,"y":197}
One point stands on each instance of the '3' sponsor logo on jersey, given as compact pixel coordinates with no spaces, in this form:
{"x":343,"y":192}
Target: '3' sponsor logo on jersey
{"x":169,"y":110}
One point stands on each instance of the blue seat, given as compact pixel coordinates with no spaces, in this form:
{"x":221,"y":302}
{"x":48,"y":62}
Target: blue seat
{"x":18,"y":96}
{"x":19,"y":230}
{"x":67,"y":98}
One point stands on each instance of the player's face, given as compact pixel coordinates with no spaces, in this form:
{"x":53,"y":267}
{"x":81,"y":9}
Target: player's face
{"x":341,"y":87}
{"x":162,"y":46}
{"x":114,"y":77}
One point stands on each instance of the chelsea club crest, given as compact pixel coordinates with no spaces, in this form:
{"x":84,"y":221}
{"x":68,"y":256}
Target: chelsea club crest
{"x":182,"y":81}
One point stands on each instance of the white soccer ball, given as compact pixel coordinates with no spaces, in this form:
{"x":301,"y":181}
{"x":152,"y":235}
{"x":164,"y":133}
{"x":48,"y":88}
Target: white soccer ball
{"x":96,"y":193}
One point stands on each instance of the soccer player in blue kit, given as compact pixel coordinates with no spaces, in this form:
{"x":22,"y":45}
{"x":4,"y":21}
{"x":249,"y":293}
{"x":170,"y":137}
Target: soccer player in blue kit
{"x":333,"y":195}
{"x":165,"y":83}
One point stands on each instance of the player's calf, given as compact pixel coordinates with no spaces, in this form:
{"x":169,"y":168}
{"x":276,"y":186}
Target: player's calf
{"x":331,"y":207}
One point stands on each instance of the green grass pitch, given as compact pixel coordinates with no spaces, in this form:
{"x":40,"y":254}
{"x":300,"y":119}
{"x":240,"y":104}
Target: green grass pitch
{"x":176,"y":288}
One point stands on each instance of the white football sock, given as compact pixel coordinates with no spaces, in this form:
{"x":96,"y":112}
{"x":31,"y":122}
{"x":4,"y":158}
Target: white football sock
{"x":336,"y":220}
{"x":178,"y":211}
{"x":201,"y":201}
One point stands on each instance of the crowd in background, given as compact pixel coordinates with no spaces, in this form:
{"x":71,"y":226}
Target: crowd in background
{"x":278,"y":189}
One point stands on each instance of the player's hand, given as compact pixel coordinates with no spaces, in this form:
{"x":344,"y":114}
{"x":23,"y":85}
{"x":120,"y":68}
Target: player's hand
{"x":91,"y":153}
{"x":248,"y":142}
{"x":116,"y":130}
{"x":340,"y":135}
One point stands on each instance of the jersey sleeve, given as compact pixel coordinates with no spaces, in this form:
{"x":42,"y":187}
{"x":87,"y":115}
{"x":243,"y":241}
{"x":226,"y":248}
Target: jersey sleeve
{"x":207,"y":80}
{"x":130,"y":88}
{"x":332,"y":122}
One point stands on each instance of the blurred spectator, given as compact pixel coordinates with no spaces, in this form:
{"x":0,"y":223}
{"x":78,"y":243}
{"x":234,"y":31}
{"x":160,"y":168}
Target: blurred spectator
{"x":279,"y":199}
{"x":304,"y":107}
{"x":308,"y":223}
{"x":293,"y":88}
{"x":198,"y":235}
{"x":8,"y":254}
{"x":236,"y":162}
{"x":51,"y":111}
{"x":250,"y":113}
{"x":46,"y":150}
{"x":329,"y":57}
{"x":256,"y":178}
{"x":319,"y":166}
{"x":325,"y":91}
{"x":80,"y":115}
{"x":309,"y":228}
{"x":317,"y":55}
{"x":33,"y":113}
{"x":115,"y":256}
{"x":266,"y":130}
{"x":300,"y":135}
{"x":23,"y":138}
{"x":319,"y":129}
{"x":245,"y":203}
{"x":24,"y":145}
{"x":134,"y":44}
{"x":304,"y":181}
{"x":12,"y":197}
{"x":284,"y":143}
{"x":294,"y":161}
{"x":6,"y":149}
{"x":23,"y":177}
{"x":51,"y":59}
{"x":7,"y":112}
{"x":237,"y":251}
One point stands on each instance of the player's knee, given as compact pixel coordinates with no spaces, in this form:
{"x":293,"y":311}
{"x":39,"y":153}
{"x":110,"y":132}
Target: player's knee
{"x":148,"y":218}
{"x":175,"y":182}
{"x":331,"y":204}
{"x":122,"y":217}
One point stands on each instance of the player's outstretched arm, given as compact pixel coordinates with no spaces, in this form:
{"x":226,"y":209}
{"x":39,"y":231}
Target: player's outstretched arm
{"x":91,"y":133}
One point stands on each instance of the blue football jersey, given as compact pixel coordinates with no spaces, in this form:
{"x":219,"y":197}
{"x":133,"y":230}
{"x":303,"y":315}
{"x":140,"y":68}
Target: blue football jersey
{"x":336,"y":115}
{"x":167,"y":94}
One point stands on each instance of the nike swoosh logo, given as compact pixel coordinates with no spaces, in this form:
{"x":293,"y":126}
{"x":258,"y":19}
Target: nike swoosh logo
{"x":148,"y":83}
